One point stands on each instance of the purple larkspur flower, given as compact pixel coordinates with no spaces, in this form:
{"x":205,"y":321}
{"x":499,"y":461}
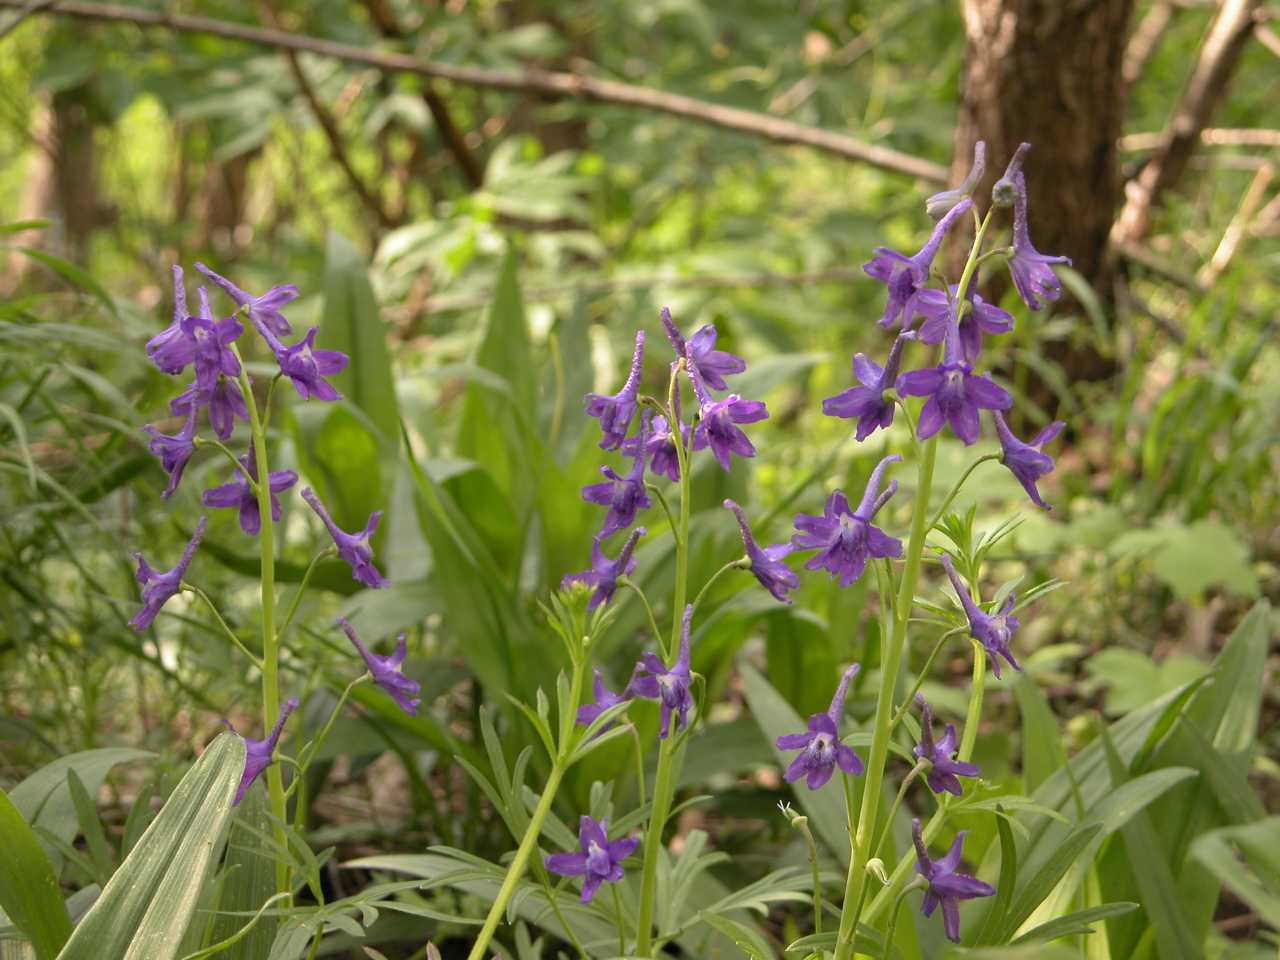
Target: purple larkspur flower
{"x":173,"y":450}
{"x":174,"y":348}
{"x":1027,"y":461}
{"x":946,"y":886}
{"x":239,"y":494}
{"x":660,"y":448}
{"x":224,"y":401}
{"x":158,"y":586}
{"x":993,"y":631}
{"x":940,"y":204}
{"x":306,"y":367}
{"x":605,"y":699}
{"x":904,"y":275}
{"x":955,"y":393}
{"x":945,"y":772}
{"x":981,"y":318}
{"x":654,"y":680}
{"x":867,"y":403}
{"x":847,"y":538}
{"x":1031,"y":271}
{"x":352,"y":547}
{"x":766,"y":562}
{"x":599,"y":859}
{"x":257,"y":753}
{"x":263,"y":311}
{"x":386,"y":670}
{"x":821,"y":749}
{"x":616,"y":412}
{"x":700,"y":353}
{"x":624,"y":496}
{"x":603,"y":575}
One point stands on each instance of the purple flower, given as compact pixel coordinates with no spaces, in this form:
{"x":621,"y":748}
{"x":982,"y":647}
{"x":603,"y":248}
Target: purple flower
{"x":257,"y":753}
{"x":821,"y":750}
{"x":386,"y":670}
{"x":905,"y":275}
{"x":1026,"y":461}
{"x":604,"y":573}
{"x":605,"y":700}
{"x":307,"y":367}
{"x":955,"y":393}
{"x":158,"y":587}
{"x":867,"y":403}
{"x":848,"y":538}
{"x":624,"y":496}
{"x":660,"y":448}
{"x":174,"y":347}
{"x":352,"y":547}
{"x":981,"y":318}
{"x":993,"y":632}
{"x":615,"y":412}
{"x":766,"y":563}
{"x":946,"y":886}
{"x":940,"y":204}
{"x":239,"y":494}
{"x":946,"y":771}
{"x":653,"y":680}
{"x":225,"y":402}
{"x":700,"y":354}
{"x":174,"y":451}
{"x":1029,"y":267}
{"x":600,"y":858}
{"x":264,"y":311}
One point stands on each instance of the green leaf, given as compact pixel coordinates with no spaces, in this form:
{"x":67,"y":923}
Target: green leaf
{"x":144,"y":912}
{"x":29,"y":892}
{"x":1076,"y":923}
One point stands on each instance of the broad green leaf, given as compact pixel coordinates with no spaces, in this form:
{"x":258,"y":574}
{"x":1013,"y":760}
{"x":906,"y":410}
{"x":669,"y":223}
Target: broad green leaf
{"x":29,"y":892}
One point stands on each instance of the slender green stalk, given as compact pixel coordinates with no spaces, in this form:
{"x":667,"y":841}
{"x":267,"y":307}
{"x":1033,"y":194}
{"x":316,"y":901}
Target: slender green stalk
{"x":955,"y":491}
{"x":223,"y":623}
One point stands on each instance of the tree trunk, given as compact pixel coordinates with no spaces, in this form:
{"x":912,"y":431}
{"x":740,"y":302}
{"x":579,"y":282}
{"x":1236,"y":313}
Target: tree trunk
{"x":1050,"y":72}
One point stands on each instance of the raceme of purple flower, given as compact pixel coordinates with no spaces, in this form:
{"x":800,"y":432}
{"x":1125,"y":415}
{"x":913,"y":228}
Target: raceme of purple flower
{"x":904,"y":275}
{"x":946,"y":886}
{"x":993,"y":631}
{"x":701,"y":355}
{"x":599,"y":859}
{"x":766,"y":562}
{"x":307,"y":367}
{"x":624,"y":496}
{"x":352,"y":547}
{"x":239,"y":494}
{"x":821,"y":749}
{"x":981,"y":318}
{"x":955,"y":394}
{"x":1030,"y":268}
{"x":386,"y":670}
{"x":604,"y":573}
{"x":847,"y":538}
{"x":660,"y":448}
{"x":867,"y":403}
{"x":264,"y":311}
{"x":1027,"y":461}
{"x":940,"y":204}
{"x":225,"y":402}
{"x":945,"y":770}
{"x":654,"y":680}
{"x":604,"y":697}
{"x":257,"y":753}
{"x":616,"y":412}
{"x":157,"y":586}
{"x":174,"y":451}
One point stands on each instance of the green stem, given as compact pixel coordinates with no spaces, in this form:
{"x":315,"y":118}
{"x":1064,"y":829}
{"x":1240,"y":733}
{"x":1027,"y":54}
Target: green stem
{"x":955,"y":491}
{"x":302,"y":588}
{"x":223,"y":623}
{"x":653,"y":846}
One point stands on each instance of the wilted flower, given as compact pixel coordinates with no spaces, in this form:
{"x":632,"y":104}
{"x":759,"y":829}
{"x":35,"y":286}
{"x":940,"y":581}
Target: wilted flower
{"x":979,"y":319}
{"x":604,"y":573}
{"x":224,"y":400}
{"x":157,"y":586}
{"x":352,"y":547}
{"x":945,"y":771}
{"x":955,"y":393}
{"x":605,"y":699}
{"x":386,"y":670}
{"x":868,"y":403}
{"x":615,"y":412}
{"x":257,"y":753}
{"x":600,"y":858}
{"x":1028,"y":266}
{"x":624,"y":496}
{"x":701,"y":355}
{"x":848,"y":538}
{"x":946,"y":886}
{"x":766,"y":562}
{"x":821,"y":749}
{"x":238,"y":493}
{"x":264,"y":311}
{"x":1027,"y":461}
{"x":993,"y":632}
{"x":660,"y":447}
{"x":940,"y":204}
{"x":904,"y":275}
{"x":307,"y":367}
{"x":174,"y":451}
{"x":653,"y":680}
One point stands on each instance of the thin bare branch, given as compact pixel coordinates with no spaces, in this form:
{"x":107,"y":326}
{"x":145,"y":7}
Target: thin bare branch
{"x":546,"y":83}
